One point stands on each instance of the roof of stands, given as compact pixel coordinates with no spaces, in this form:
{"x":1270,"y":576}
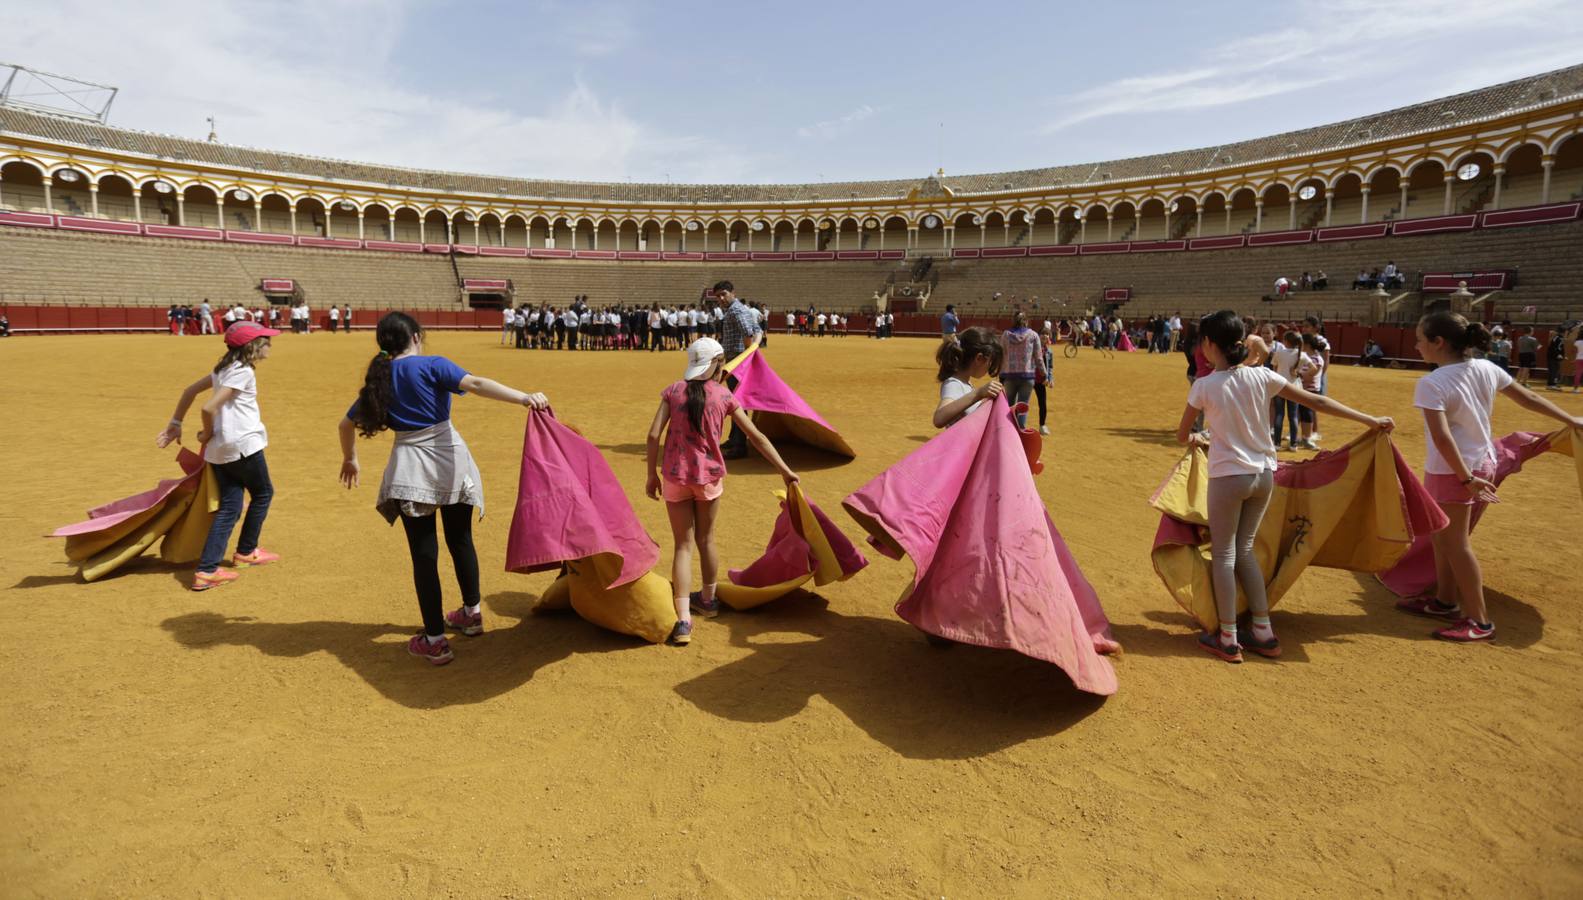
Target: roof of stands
{"x":1436,"y":114}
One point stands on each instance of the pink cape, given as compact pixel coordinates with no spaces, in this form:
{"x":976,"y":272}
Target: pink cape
{"x":1414,"y":575}
{"x":776,"y":408}
{"x":101,"y":518}
{"x":570,"y":506}
{"x":1125,"y":345}
{"x":991,"y":568}
{"x":804,"y":545}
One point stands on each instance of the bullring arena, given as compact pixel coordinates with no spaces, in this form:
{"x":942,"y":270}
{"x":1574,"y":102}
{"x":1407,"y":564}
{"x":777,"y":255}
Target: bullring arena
{"x":274,"y":737}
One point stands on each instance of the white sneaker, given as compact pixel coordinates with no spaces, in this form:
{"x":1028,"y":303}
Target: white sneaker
{"x":1044,"y":429}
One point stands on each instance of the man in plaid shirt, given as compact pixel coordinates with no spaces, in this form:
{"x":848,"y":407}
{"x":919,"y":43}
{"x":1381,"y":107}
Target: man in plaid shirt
{"x":737,"y":330}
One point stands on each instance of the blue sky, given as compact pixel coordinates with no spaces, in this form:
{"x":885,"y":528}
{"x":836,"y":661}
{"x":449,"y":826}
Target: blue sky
{"x":693,"y":91}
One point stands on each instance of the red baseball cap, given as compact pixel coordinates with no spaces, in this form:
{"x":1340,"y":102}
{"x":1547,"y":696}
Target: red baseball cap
{"x":241,"y":332}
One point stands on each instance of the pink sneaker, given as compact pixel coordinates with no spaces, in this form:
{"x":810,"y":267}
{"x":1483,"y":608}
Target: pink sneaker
{"x":203,"y":581}
{"x":470,"y":625}
{"x":1467,"y":631}
{"x":259,"y":557}
{"x":436,"y":652}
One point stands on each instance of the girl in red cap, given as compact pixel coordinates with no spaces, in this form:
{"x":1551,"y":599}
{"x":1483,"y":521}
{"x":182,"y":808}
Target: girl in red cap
{"x":233,"y":440}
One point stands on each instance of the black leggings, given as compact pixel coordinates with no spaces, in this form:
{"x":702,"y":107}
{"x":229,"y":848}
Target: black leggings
{"x":1039,"y":392}
{"x":424,"y":545}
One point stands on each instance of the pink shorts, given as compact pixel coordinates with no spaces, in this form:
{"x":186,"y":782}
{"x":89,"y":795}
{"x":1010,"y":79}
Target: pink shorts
{"x":1448,"y":489}
{"x":674,"y":492}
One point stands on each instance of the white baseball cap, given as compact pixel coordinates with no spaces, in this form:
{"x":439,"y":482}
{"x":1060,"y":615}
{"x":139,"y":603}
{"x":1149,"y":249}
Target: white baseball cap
{"x":700,"y":355}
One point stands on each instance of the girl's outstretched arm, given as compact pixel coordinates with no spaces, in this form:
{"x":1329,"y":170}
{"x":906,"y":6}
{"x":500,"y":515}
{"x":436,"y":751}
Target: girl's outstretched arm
{"x":1534,"y":403}
{"x":172,"y":430}
{"x":652,"y":457}
{"x":494,"y":390}
{"x":762,"y":444}
{"x":349,"y":467}
{"x":1324,"y":404}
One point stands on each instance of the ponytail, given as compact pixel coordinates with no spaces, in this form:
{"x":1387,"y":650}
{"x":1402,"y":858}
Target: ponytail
{"x":1458,"y":333}
{"x":957,"y":351}
{"x":394,"y":334}
{"x":697,"y":393}
{"x":1225,"y":329}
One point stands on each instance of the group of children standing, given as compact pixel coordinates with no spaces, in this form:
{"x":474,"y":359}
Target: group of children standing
{"x":580,"y":326}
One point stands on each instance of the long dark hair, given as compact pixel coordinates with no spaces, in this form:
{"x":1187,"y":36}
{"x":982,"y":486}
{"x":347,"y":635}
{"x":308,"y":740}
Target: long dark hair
{"x":395,"y":333}
{"x":697,"y":394}
{"x":957,"y":350}
{"x":1226,"y":331}
{"x":1456,"y":331}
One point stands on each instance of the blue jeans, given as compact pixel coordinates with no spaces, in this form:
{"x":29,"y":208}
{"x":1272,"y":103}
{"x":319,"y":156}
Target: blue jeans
{"x":252,"y":474}
{"x":1285,"y":409}
{"x":1018,"y":390}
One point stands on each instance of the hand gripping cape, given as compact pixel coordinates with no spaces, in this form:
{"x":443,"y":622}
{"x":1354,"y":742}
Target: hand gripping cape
{"x":991,"y":569}
{"x":804,"y":545}
{"x":572,"y":513}
{"x":777,"y":410}
{"x":1357,"y":508}
{"x":177,"y":510}
{"x":1414,"y":575}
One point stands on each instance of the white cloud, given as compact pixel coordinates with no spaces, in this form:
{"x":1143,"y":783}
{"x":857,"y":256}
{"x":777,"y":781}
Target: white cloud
{"x":1364,"y":42}
{"x":830,"y":128}
{"x":323,"y":77}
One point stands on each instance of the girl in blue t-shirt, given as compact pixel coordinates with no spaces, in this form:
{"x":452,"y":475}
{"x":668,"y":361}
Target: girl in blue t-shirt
{"x":430,"y":469}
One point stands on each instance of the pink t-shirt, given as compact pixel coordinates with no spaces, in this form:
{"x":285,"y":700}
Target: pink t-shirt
{"x":693,"y":457}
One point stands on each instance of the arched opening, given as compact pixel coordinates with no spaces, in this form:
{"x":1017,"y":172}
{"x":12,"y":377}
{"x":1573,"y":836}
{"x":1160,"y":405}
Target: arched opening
{"x":1309,"y":203}
{"x":671,"y":239}
{"x":539,"y":232}
{"x":1095,"y":225}
{"x":649,"y":234}
{"x":1043,"y":231}
{"x":931,"y":232}
{"x":69,"y":194}
{"x":376,"y":223}
{"x":310,"y":218}
{"x":782,"y":239}
{"x":605,"y":235}
{"x":1068,"y":225}
{"x":115,"y":198}
{"x":804,"y":236}
{"x":489,"y":233}
{"x":237,"y":213}
{"x":993,"y":229}
{"x":627,"y":235}
{"x":433,"y":227}
{"x":157,"y":201}
{"x":1470,"y":183}
{"x":1279,"y":213}
{"x":1124,"y":221}
{"x":964,"y":230}
{"x":465,"y":229}
{"x":561,"y":234}
{"x":200,"y":207}
{"x":1424,"y":191}
{"x":1021,"y":228}
{"x":846,"y":234}
{"x":715,"y":238}
{"x":893,"y":233}
{"x":22,"y":187}
{"x":404,"y":225}
{"x":1151,"y":220}
{"x":274,"y":214}
{"x":1182,"y":219}
{"x":1382,"y":203}
{"x":1242,"y":211}
{"x":1566,"y":174}
{"x":1345,"y":200}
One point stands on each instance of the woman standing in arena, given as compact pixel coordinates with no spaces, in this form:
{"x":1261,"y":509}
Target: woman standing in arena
{"x":430,"y":472}
{"x":1023,"y":362}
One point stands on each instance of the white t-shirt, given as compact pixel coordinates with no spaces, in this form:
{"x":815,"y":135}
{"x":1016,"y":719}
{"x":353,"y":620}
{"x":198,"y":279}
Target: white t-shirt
{"x":790,"y":320}
{"x":335,"y":314}
{"x":1236,"y":405}
{"x":1465,"y":391}
{"x":238,"y":429}
{"x":1579,"y":345}
{"x":821,"y":319}
{"x":954,"y":388}
{"x":1286,"y":361}
{"x":656,"y":319}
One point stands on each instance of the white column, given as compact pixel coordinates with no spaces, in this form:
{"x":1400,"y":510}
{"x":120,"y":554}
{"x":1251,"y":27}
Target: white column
{"x":950,"y":236}
{"x":359,"y":224}
{"x":258,"y":213}
{"x":1451,"y":179}
{"x":93,"y":197}
{"x":1291,"y":212}
{"x":983,"y":231}
{"x":422,"y":238}
{"x":882,"y":235}
{"x":1328,"y":201}
{"x":1227,"y":229}
{"x":1363,"y":217}
{"x":219,"y":206}
{"x":450,"y":234}
{"x":1167,"y":235}
{"x":475,"y":235}
{"x":1198,"y":230}
{"x":796,"y":233}
{"x":835,"y":236}
{"x":137,"y":204}
{"x":1500,"y":176}
{"x":1082,"y":230}
{"x":327,"y":216}
{"x":2,"y":195}
{"x":294,"y":219}
{"x":912,"y":237}
{"x":1110,"y":231}
{"x":49,"y":202}
{"x":1258,"y":214}
{"x":181,"y":207}
{"x":1547,"y":164}
{"x":1403,"y":213}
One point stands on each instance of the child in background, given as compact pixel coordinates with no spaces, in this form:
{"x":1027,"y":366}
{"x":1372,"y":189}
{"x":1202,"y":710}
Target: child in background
{"x":972,"y":353}
{"x":1235,"y":400}
{"x":233,"y":439}
{"x":1311,"y":370}
{"x":1459,"y":462}
{"x":1289,"y":362}
{"x":1022,"y":362}
{"x":1041,"y":381}
{"x":691,"y":474}
{"x":430,"y":469}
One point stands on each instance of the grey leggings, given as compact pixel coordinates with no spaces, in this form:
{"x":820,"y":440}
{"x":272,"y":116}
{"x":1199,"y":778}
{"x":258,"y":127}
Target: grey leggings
{"x":1236,"y":507}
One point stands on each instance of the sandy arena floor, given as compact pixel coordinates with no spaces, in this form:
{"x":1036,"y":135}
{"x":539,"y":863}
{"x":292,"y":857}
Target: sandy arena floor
{"x":273,"y":738}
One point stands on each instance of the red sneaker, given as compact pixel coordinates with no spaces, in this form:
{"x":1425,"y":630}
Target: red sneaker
{"x":203,"y":581}
{"x":1468,"y":631}
{"x":470,"y":625}
{"x":259,"y":557}
{"x":436,"y":652}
